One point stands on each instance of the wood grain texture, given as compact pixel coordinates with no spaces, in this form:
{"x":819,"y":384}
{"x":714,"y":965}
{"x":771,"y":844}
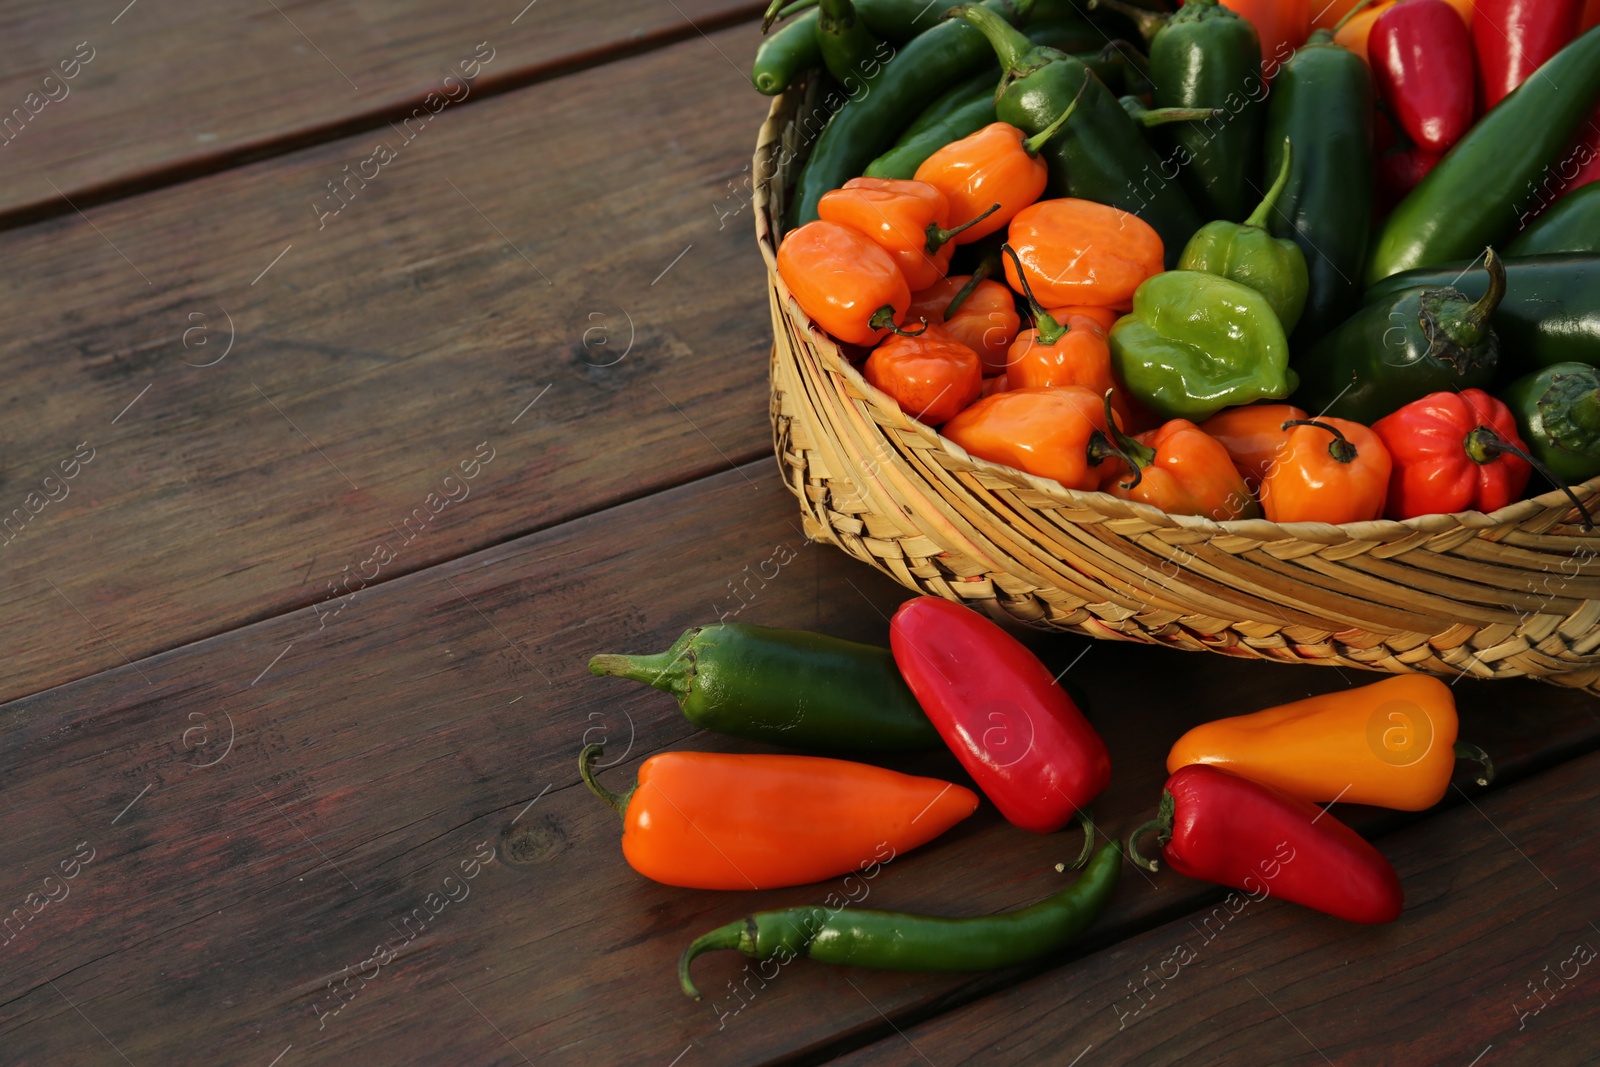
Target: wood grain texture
{"x":1486,"y":965}
{"x":514,"y":251}
{"x":372,"y":755}
{"x":173,"y":90}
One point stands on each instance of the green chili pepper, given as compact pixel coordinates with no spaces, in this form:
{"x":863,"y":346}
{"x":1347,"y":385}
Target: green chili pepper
{"x":1101,"y":154}
{"x":901,"y":20}
{"x":1558,"y":417}
{"x":787,"y":54}
{"x":844,"y":40}
{"x":1400,"y":349}
{"x":786,"y":687}
{"x":1469,"y":200}
{"x":1550,"y":313}
{"x":1197,"y":343}
{"x":899,"y":942}
{"x":1571,"y":224}
{"x":1273,"y":266}
{"x":1322,"y":101}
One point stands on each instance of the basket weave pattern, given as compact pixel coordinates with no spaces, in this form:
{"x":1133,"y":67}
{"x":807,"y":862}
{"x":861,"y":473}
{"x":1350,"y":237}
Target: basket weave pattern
{"x":1504,"y":595}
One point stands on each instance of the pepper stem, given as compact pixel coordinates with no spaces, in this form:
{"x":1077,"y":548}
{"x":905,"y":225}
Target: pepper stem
{"x":938,"y":236}
{"x":1137,"y":456}
{"x":773,"y":13}
{"x":1161,"y":116}
{"x":1149,"y":23}
{"x":1086,"y":821}
{"x":1035,"y":144}
{"x":798,"y":5}
{"x":1050,"y":331}
{"x":986,"y":266}
{"x":586,"y":758}
{"x":1010,"y":45}
{"x":1340,"y":449}
{"x":1479,"y":756}
{"x":1468,"y":330}
{"x":883,"y":319}
{"x":1162,"y":825}
{"x":1484,"y":445}
{"x":1348,"y":15}
{"x":721,"y":937}
{"x":1269,"y":203}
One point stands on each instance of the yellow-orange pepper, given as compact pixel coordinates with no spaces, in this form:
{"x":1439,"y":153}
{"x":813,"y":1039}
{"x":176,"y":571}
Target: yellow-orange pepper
{"x":1254,"y":436}
{"x":1182,"y":470}
{"x":1080,"y":252}
{"x":846,"y":283}
{"x":986,"y":321}
{"x":1047,"y":432}
{"x":931,"y":375}
{"x":1391,"y":744}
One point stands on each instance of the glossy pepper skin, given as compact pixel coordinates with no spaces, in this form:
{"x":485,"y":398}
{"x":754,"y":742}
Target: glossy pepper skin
{"x":1248,"y":254}
{"x":1474,"y":196}
{"x":1391,"y":744}
{"x":844,"y":39}
{"x":986,"y":321}
{"x":1321,"y":101}
{"x":931,"y":375}
{"x":786,"y":54}
{"x":1514,"y":38}
{"x":1331,"y":471}
{"x":1079,"y":252}
{"x":1571,"y":226}
{"x":1558,"y":417}
{"x":1397,"y":350}
{"x":842,"y":279}
{"x":1449,"y":452}
{"x":715,"y":820}
{"x":1182,"y":470}
{"x":907,"y":219}
{"x":1016,"y":731}
{"x":1421,"y":56}
{"x":784,"y":687}
{"x":1219,"y":827}
{"x":1253,"y":436}
{"x":1197,"y":343}
{"x":929,"y":943}
{"x":1045,"y":432}
{"x":998,"y":165}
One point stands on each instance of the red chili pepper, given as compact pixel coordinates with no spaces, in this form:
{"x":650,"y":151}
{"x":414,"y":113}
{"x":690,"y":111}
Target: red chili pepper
{"x":1016,"y":731}
{"x":1421,"y":55}
{"x":1513,"y":38}
{"x":1453,"y":452}
{"x":1401,"y":171}
{"x":1219,"y":827}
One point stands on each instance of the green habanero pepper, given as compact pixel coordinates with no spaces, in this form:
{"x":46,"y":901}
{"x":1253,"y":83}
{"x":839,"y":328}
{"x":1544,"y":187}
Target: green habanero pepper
{"x":1558,"y":417}
{"x":785,"y":687}
{"x":1570,"y":225}
{"x":1394,"y":351}
{"x":894,"y":941}
{"x":1273,"y":266}
{"x":1197,"y":343}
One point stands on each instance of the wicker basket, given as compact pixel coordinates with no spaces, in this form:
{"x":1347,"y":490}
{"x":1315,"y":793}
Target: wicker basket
{"x":1504,"y":595}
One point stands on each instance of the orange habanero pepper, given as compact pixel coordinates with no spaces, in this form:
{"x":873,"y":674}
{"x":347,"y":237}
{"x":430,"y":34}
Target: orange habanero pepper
{"x":1046,"y":432}
{"x":931,"y":375}
{"x":1182,"y":470}
{"x":907,"y":219}
{"x":985,"y":320}
{"x":846,"y":283}
{"x":1391,"y":744}
{"x":1318,"y":479}
{"x":1080,"y":252}
{"x":1281,"y":25}
{"x":1254,"y":436}
{"x":717,"y":820}
{"x":1105,"y":317}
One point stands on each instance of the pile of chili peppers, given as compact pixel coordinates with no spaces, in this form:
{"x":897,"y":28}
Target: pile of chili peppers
{"x":1239,"y":262}
{"x":1239,"y":808}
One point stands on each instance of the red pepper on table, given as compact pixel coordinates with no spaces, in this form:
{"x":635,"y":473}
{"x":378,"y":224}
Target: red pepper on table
{"x":1421,"y":56}
{"x":1453,"y":452}
{"x":1014,"y":729}
{"x":1219,"y":827}
{"x":1513,"y":38}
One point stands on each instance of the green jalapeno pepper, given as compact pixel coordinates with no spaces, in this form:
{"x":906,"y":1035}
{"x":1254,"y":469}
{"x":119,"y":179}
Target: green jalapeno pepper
{"x":847,"y":46}
{"x":1558,"y":417}
{"x":1570,"y":225}
{"x":787,"y":54}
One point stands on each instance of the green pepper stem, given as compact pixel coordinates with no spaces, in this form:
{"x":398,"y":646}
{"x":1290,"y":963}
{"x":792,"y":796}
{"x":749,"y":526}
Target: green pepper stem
{"x":883,"y":319}
{"x":1586,"y":410}
{"x":1035,"y":144}
{"x":721,"y":937}
{"x":1149,"y":23}
{"x":773,"y":13}
{"x":651,"y":670}
{"x":586,"y":758}
{"x":1340,"y":449}
{"x":1137,"y":456}
{"x":1479,"y":756}
{"x":797,"y":6}
{"x":986,"y":267}
{"x":1086,"y":821}
{"x":1162,"y":825}
{"x":1348,"y":15}
{"x":1475,"y":322}
{"x":938,"y":237}
{"x":1050,"y":331}
{"x":1161,"y":116}
{"x":836,"y":16}
{"x":1484,"y":445}
{"x":1009,"y":44}
{"x":1269,"y":203}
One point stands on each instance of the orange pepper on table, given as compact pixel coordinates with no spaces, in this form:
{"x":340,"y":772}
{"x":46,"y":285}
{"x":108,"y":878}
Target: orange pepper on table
{"x":1321,"y":478}
{"x":908,"y":219}
{"x":986,"y":321}
{"x":1047,"y":432}
{"x":846,"y":283}
{"x":1391,"y":744}
{"x":1253,"y":435}
{"x":1080,"y":252}
{"x":931,"y":375}
{"x":1182,"y":470}
{"x":998,"y":165}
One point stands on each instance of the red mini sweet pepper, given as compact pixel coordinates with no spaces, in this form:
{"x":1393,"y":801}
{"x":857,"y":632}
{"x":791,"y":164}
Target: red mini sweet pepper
{"x":1421,"y":55}
{"x":1453,"y":452}
{"x":1219,"y":827}
{"x":1017,"y":732}
{"x":1513,"y":38}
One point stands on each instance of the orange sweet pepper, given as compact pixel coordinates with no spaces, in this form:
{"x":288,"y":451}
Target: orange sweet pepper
{"x":931,"y":375}
{"x":1182,"y":470}
{"x":1047,"y":432}
{"x":846,"y":283}
{"x":1391,"y":744}
{"x":986,"y":321}
{"x":1080,"y":252}
{"x":1254,"y":436}
{"x":908,"y":219}
{"x":1342,"y":478}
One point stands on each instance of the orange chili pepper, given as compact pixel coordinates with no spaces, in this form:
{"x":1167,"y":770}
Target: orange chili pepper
{"x":846,"y":283}
{"x":1282,"y":26}
{"x":716,"y":820}
{"x":1391,"y":744}
{"x":1080,"y":252}
{"x":997,"y":384}
{"x":906,"y":218}
{"x":1041,"y":431}
{"x":1253,"y":435}
{"x":931,"y":375}
{"x":1182,"y":470}
{"x":1344,"y":478}
{"x":986,"y":320}
{"x":1105,"y":317}
{"x":1355,"y":33}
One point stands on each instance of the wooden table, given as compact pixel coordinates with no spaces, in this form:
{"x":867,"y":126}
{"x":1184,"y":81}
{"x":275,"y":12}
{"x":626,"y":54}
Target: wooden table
{"x":369,"y":366}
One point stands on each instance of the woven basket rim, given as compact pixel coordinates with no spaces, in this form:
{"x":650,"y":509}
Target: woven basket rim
{"x":766,"y":201}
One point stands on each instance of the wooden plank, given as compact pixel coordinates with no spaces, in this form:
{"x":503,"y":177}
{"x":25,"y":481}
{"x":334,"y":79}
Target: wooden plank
{"x":211,"y":87}
{"x":445,"y":709}
{"x":1492,"y":962}
{"x":510,"y":285}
